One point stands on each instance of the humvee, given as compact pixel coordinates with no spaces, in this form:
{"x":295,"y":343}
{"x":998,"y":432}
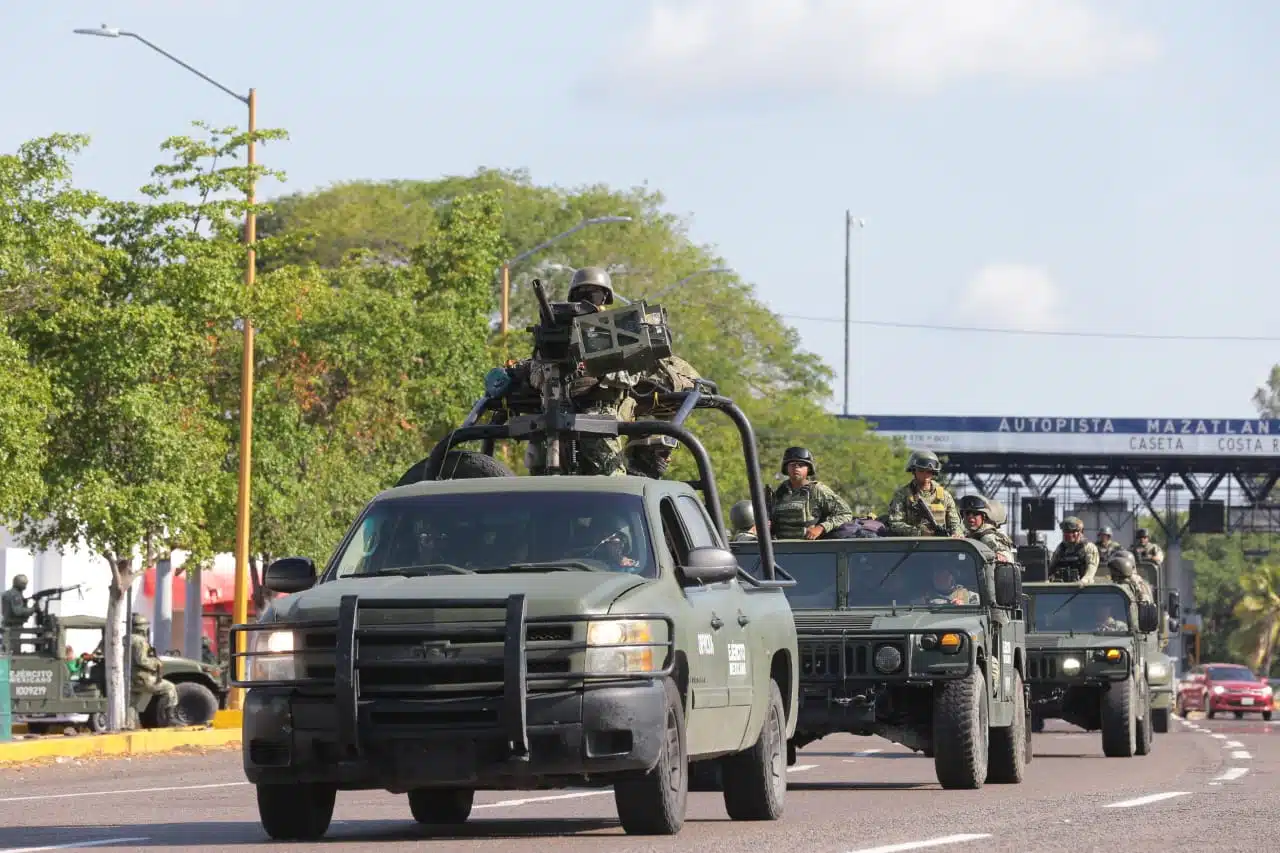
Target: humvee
{"x":883,"y":652}
{"x":1087,"y":671}
{"x":496,"y":632}
{"x":45,"y":694}
{"x":1160,"y":666}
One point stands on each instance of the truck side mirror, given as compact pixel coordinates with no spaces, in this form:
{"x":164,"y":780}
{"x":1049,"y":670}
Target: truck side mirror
{"x":1008,"y":588}
{"x":290,"y":574}
{"x":1175,"y":606}
{"x":710,"y":565}
{"x":1148,"y":617}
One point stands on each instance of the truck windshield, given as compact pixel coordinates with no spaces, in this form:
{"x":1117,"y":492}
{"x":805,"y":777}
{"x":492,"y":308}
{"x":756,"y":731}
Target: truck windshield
{"x":882,"y":578}
{"x":497,"y":532}
{"x":1081,"y":611}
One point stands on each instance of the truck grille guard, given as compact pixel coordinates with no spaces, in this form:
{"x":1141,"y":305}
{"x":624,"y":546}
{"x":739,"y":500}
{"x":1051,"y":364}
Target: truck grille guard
{"x":516,"y":677}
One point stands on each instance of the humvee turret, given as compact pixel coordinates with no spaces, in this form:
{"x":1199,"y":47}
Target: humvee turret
{"x":496,"y":632}
{"x":1087,"y":650}
{"x":886,"y":649}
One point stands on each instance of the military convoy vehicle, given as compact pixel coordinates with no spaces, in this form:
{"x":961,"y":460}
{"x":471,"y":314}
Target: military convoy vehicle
{"x":476,"y":630}
{"x":1160,"y":664}
{"x":889,"y":646}
{"x":46,"y":695}
{"x":1087,"y":661}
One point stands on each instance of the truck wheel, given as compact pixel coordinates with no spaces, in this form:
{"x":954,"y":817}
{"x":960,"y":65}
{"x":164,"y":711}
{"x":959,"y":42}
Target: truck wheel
{"x":1119,"y":729}
{"x":755,"y":780}
{"x":441,"y":805}
{"x":960,"y":731}
{"x":196,"y":704}
{"x":98,"y":722}
{"x":654,"y":803}
{"x":1145,"y":735}
{"x":1160,"y":720}
{"x":459,"y":465}
{"x":1009,"y":745}
{"x":297,"y":812}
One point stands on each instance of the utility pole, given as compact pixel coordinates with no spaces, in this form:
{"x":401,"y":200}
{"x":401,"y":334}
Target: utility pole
{"x":849,"y":222}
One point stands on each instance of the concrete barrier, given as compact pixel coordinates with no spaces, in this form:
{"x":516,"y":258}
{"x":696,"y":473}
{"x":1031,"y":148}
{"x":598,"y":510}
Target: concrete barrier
{"x":123,"y":744}
{"x":6,"y":702}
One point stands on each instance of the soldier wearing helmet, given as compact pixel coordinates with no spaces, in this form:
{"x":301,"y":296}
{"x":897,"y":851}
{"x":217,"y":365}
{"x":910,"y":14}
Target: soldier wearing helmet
{"x":649,"y":455}
{"x":1075,"y":558}
{"x":147,"y":679}
{"x":591,"y":284}
{"x":742,"y":521}
{"x":1146,"y":550}
{"x":1124,"y":571}
{"x":14,"y":610}
{"x":923,"y":507}
{"x":1107,"y":547}
{"x":982,"y":519}
{"x":804,"y":508}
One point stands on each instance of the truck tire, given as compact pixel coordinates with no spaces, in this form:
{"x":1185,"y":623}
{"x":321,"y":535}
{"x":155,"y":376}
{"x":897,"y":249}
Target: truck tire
{"x":1119,"y":728}
{"x":960,"y":731}
{"x":196,"y":704}
{"x":98,"y":722}
{"x":654,"y":803}
{"x":296,"y":812}
{"x":441,"y":805}
{"x":1008,"y":745}
{"x":1160,"y":720}
{"x":755,"y":780}
{"x":1142,"y":742}
{"x":459,"y":465}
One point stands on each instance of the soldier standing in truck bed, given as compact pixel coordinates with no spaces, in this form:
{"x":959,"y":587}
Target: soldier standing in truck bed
{"x":977,"y":511}
{"x":1075,"y":558}
{"x":804,"y":508}
{"x":923,"y":507}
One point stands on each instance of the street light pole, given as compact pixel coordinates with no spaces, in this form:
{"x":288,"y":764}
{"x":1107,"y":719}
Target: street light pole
{"x":240,"y":610}
{"x":849,"y":222}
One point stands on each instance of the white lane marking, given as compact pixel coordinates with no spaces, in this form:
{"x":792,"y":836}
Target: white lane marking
{"x":1219,"y":737}
{"x":800,"y":767}
{"x":113,"y":793}
{"x":917,"y":845}
{"x":1240,"y":753}
{"x":1232,"y":744}
{"x":1230,"y":776}
{"x":1150,"y":798}
{"x":573,"y":796}
{"x":74,"y":845}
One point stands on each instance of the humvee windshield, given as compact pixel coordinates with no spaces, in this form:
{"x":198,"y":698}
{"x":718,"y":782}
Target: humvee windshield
{"x":496,"y":532}
{"x":815,"y":575}
{"x":1080,"y":611}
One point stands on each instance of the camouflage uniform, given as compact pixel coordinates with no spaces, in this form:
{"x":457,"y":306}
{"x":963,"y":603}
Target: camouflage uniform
{"x":1124,"y":571}
{"x":146,"y":680}
{"x":742,"y":521}
{"x":671,"y":375}
{"x":956,"y":595}
{"x":814,"y":503}
{"x":13,"y":604}
{"x":1112,"y":625}
{"x":1109,"y":550}
{"x":1150,"y":552}
{"x":988,"y":533}
{"x":650,"y":455}
{"x":1078,"y":558}
{"x":907,"y":517}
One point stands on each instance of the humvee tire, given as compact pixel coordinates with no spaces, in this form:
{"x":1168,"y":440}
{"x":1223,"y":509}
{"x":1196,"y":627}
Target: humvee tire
{"x":299,"y":811}
{"x":654,"y":803}
{"x":459,"y":465}
{"x":1160,"y":720}
{"x":961,"y":731}
{"x":1007,"y":756}
{"x":1143,"y":742}
{"x":755,"y":780}
{"x":1119,"y":728}
{"x":196,"y":704}
{"x":98,"y":722}
{"x":441,"y":805}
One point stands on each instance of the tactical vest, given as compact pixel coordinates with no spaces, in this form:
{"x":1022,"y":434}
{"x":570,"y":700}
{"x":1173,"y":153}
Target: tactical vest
{"x":791,"y":512}
{"x":988,"y":530}
{"x":936,"y":502}
{"x":1068,"y":562}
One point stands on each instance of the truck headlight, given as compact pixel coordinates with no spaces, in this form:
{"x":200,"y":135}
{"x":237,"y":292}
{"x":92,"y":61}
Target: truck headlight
{"x":278,"y":663}
{"x":1157,"y":671}
{"x":1267,"y":691}
{"x":888,"y":659}
{"x":615,"y":646}
{"x":1071,"y":666}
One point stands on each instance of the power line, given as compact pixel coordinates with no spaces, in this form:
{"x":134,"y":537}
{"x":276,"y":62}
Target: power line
{"x":1039,"y":332}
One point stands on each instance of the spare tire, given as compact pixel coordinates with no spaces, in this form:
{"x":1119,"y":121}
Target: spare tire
{"x":459,"y":465}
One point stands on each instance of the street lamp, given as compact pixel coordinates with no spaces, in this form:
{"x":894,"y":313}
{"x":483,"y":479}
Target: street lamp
{"x":849,"y":222}
{"x":241,"y":608}
{"x":505,"y":269}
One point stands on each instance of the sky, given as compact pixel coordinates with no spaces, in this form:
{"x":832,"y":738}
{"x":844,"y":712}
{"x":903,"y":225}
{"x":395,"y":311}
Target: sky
{"x":1041,"y":165}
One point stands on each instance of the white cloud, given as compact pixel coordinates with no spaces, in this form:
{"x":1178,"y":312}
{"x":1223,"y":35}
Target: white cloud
{"x":909,"y":46}
{"x":1011,"y":296}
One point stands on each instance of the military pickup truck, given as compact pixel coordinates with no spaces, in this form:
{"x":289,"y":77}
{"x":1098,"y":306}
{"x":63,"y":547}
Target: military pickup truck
{"x":495,"y":632}
{"x":890,"y":646}
{"x":46,"y":694}
{"x":1087,"y":655}
{"x":1160,"y":668}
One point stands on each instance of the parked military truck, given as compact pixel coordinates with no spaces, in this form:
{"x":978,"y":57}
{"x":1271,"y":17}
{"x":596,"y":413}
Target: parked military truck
{"x":47,"y":694}
{"x":1087,"y":661}
{"x":1160,"y":665}
{"x":494,"y":632}
{"x":890,"y":646}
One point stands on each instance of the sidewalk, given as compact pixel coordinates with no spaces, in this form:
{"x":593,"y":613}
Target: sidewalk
{"x":224,"y":732}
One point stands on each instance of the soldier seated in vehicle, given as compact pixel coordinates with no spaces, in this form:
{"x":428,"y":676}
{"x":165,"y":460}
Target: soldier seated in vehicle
{"x":1105,"y":618}
{"x":650,"y":455}
{"x":742,"y":522}
{"x":943,"y":589}
{"x":976,"y":511}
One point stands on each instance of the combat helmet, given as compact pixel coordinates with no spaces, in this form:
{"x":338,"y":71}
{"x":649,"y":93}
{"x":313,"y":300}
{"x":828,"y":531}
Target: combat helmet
{"x":1071,"y":524}
{"x":588,"y":277}
{"x":799,"y":454}
{"x":20,"y":582}
{"x":975,"y":503}
{"x":1122,"y":565}
{"x":652,"y":440}
{"x":924,"y":460}
{"x":1142,"y":531}
{"x":140,"y":622}
{"x":742,"y":516}
{"x":996,"y":512}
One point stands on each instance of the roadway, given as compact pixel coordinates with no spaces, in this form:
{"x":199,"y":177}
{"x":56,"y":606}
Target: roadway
{"x":1208,"y":784}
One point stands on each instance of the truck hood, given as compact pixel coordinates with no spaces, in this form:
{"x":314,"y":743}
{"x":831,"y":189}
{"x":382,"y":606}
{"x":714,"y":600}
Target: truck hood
{"x":826,"y":622}
{"x":548,"y":593}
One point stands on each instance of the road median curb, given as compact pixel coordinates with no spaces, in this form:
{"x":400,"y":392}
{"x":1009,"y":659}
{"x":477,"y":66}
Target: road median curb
{"x":124,"y":744}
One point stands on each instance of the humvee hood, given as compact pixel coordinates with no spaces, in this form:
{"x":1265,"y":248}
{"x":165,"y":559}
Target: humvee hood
{"x":917,"y":620}
{"x":1076,"y":641}
{"x":553,"y":593}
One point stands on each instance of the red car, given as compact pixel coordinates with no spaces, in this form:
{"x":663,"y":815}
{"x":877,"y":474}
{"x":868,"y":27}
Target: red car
{"x":1222,"y":687}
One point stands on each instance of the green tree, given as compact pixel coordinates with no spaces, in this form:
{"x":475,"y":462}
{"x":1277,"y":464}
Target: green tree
{"x":1258,"y":612}
{"x":1267,"y":398}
